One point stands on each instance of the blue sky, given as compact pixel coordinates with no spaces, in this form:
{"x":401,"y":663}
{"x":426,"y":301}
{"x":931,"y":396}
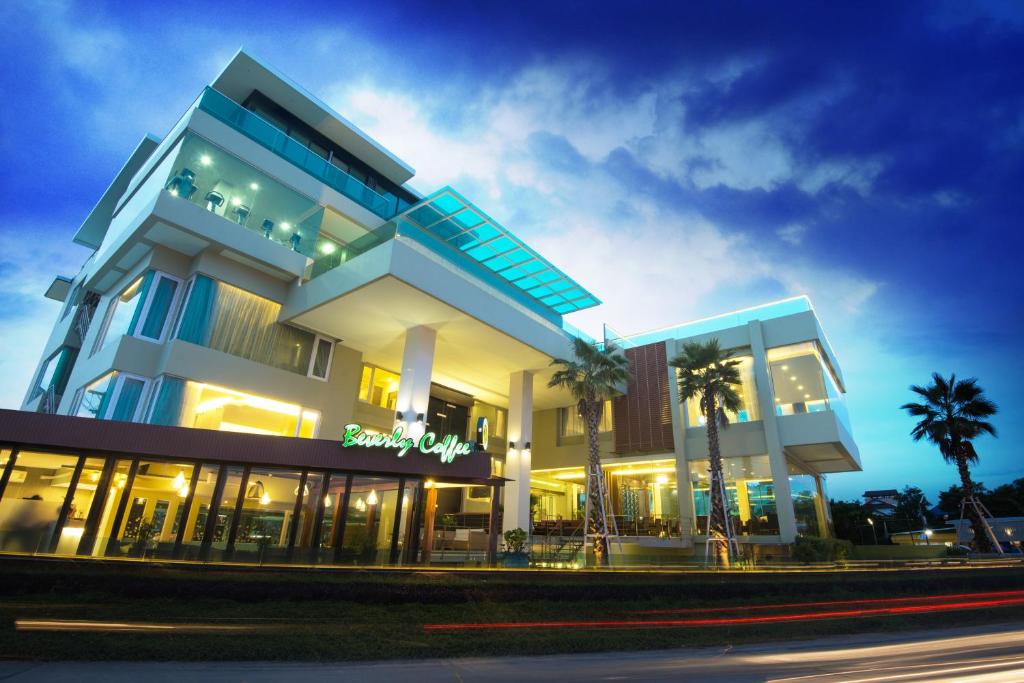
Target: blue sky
{"x":677,"y":162}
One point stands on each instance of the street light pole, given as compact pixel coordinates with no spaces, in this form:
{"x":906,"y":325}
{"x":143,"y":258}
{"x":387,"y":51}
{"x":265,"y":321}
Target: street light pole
{"x":874,"y":534}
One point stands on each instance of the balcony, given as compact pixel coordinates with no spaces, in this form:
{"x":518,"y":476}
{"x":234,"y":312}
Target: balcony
{"x":259,"y":130}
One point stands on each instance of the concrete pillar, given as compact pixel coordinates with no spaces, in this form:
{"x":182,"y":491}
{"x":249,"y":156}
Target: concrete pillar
{"x":776,"y":455}
{"x":684,"y":493}
{"x":414,"y":383}
{"x":517,"y":463}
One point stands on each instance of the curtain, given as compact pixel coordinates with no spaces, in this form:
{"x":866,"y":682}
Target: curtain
{"x":195,"y":323}
{"x":167,"y":407}
{"x":153,"y":326}
{"x":128,"y":401}
{"x":139,"y":301}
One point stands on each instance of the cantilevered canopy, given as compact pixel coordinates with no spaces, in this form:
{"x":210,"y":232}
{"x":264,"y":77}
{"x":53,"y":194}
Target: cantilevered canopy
{"x":453,"y":219}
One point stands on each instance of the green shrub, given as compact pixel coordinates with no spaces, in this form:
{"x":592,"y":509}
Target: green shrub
{"x":957,"y":551}
{"x":814,"y":549}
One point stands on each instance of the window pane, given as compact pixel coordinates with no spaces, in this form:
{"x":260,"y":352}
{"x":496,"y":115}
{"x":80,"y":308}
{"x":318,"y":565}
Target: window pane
{"x":645,"y":498}
{"x":304,"y":541}
{"x":364,"y":383}
{"x":266,"y":514}
{"x":123,"y":313}
{"x":383,"y":391}
{"x":195,"y":525}
{"x":369,"y":520}
{"x":96,"y":397}
{"x":154,"y":505}
{"x":749,"y":490}
{"x":322,"y":358}
{"x":334,"y":514}
{"x":74,"y":526}
{"x":109,"y":511}
{"x":748,"y":398}
{"x":797,"y":379}
{"x":128,"y":400}
{"x":225,"y":514}
{"x":803,"y":488}
{"x":159,"y":307}
{"x":211,"y":407}
{"x":33,"y":500}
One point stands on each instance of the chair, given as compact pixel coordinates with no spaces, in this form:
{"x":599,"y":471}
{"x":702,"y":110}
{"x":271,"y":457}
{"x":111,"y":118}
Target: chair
{"x":294,"y":241}
{"x":268,"y":228}
{"x":214,"y":200}
{"x":241,"y":213}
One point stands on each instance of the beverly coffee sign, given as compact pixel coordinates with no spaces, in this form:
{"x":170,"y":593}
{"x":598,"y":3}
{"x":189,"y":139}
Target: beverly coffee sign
{"x":447,"y":448}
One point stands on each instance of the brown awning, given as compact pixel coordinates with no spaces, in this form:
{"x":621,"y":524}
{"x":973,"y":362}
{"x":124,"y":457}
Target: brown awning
{"x":106,"y":437}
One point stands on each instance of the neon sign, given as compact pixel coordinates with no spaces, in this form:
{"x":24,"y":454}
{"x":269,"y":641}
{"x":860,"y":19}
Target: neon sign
{"x":447,"y":448}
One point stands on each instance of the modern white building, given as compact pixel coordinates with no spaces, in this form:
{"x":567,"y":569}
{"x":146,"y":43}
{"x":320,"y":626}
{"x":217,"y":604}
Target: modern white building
{"x":264,"y":269}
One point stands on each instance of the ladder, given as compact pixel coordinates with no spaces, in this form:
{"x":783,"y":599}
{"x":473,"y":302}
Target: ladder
{"x":732,"y":546}
{"x":984,"y":515}
{"x":596,"y":480}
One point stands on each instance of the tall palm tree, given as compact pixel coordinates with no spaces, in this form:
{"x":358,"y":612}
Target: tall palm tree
{"x":952,"y":416}
{"x":592,"y":376}
{"x":708,"y":373}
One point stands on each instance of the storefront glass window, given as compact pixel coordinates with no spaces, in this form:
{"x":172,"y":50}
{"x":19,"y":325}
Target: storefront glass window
{"x":267,"y":510}
{"x":211,"y":407}
{"x":645,"y":498}
{"x":334,"y":514}
{"x":114,"y":493}
{"x":304,"y":541}
{"x":369,"y":522}
{"x":749,"y":491}
{"x":195,"y":525}
{"x":81,"y":502}
{"x":748,"y":398}
{"x":154,"y":506}
{"x":33,"y":500}
{"x":226,"y":512}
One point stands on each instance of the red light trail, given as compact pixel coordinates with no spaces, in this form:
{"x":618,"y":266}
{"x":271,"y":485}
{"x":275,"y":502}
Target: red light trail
{"x":895,"y":606}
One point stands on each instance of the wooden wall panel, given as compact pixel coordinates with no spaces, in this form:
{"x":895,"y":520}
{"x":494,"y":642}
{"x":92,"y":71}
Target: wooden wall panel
{"x":643,"y":416}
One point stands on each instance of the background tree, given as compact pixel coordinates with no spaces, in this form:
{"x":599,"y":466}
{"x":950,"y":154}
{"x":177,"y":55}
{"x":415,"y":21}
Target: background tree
{"x":850,"y":520}
{"x":592,"y":376}
{"x":708,"y":373}
{"x":953,"y":414}
{"x":912,"y":505}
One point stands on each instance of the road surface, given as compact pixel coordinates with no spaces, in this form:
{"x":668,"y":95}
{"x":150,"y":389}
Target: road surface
{"x":984,"y":654}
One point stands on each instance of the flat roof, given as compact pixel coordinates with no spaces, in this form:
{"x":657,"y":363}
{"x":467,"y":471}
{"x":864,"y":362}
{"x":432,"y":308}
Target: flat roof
{"x":464,"y":227}
{"x":245,"y":73}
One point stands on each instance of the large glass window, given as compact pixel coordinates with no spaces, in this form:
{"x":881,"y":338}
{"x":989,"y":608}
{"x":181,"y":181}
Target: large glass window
{"x":33,"y":499}
{"x":142,"y":309}
{"x":378,"y":387}
{"x":55,"y":372}
{"x":557,"y":495}
{"x":571,"y":423}
{"x":226,"y":513}
{"x":747,"y":391}
{"x":229,"y":319}
{"x":334,"y":515}
{"x":749,"y":491}
{"x":115,"y":492}
{"x":211,"y":407}
{"x":153,"y":512}
{"x":224,"y":185}
{"x":304,"y":523}
{"x":198,"y":514}
{"x":267,"y":511}
{"x":114,"y":396}
{"x":369,"y":523}
{"x":803,"y":381}
{"x":645,"y":498}
{"x":803,"y":487}
{"x":82,"y":495}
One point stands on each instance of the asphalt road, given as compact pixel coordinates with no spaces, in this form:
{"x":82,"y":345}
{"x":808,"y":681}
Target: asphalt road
{"x":989,"y":654}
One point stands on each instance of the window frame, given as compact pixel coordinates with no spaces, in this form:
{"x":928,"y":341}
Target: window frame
{"x":115,"y":394}
{"x":330,"y":359}
{"x":145,"y":305}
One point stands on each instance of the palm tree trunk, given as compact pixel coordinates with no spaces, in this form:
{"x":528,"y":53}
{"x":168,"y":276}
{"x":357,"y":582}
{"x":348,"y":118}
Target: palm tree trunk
{"x":982,"y":542}
{"x":597,"y":522}
{"x":718,"y":507}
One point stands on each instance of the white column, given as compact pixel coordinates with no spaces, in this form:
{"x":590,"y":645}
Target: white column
{"x":776,"y":454}
{"x":517,"y":462}
{"x":414,"y":383}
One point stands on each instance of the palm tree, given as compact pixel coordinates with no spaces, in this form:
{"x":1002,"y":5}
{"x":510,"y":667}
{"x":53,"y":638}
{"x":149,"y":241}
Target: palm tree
{"x":707,"y":373}
{"x":592,"y":376}
{"x":952,"y":416}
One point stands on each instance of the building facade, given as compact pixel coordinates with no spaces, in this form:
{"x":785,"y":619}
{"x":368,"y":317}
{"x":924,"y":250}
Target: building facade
{"x":264,"y":269}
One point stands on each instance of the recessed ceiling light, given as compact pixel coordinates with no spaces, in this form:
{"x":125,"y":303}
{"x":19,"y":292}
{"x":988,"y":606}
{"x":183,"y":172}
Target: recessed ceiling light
{"x":253,"y":186}
{"x":785,"y":367}
{"x":286,"y":226}
{"x":801,"y":387}
{"x":793,"y":378}
{"x":807,"y":395}
{"x":205,"y":160}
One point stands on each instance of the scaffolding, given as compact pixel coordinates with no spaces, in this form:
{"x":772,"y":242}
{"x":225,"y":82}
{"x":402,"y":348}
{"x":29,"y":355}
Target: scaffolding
{"x":984,"y":515}
{"x":732,"y":546}
{"x":595,"y":482}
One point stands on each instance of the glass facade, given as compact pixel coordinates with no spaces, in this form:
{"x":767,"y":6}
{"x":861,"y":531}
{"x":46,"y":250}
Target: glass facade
{"x":119,"y":506}
{"x":141,"y":310}
{"x":749,"y":491}
{"x":114,"y":396}
{"x":748,"y":398}
{"x":807,"y":503}
{"x":571,"y":423}
{"x":54,"y":373}
{"x":803,"y":381}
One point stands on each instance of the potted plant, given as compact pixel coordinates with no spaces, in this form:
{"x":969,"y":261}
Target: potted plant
{"x":144,"y":539}
{"x":516,"y":556}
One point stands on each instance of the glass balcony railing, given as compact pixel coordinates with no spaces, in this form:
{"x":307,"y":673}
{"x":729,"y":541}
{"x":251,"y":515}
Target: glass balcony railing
{"x":331,"y":253}
{"x":259,"y":130}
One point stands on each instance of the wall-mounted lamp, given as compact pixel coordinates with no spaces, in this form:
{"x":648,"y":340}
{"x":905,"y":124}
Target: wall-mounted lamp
{"x":398,"y":415}
{"x":511,"y":445}
{"x":419,"y":417}
{"x":527,"y":446}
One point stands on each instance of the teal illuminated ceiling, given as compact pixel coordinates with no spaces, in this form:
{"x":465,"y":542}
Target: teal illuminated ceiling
{"x":453,"y":219}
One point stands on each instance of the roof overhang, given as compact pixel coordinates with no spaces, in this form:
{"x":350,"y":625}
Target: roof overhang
{"x":59,"y":288}
{"x":245,"y":73}
{"x":94,"y":229}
